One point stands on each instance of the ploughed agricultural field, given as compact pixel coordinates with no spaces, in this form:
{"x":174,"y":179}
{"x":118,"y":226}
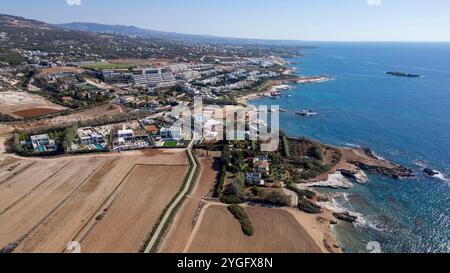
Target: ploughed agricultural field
{"x":26,"y":105}
{"x":34,"y":112}
{"x":47,"y":203}
{"x":184,"y":224}
{"x":275,"y":231}
{"x":145,"y":193}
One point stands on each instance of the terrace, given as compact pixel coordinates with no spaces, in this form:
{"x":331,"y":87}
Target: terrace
{"x":92,"y":139}
{"x":130,"y":137}
{"x":42,"y":143}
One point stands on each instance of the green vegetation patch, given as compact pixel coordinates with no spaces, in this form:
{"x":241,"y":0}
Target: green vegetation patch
{"x":311,"y":157}
{"x":269,"y":196}
{"x":170,"y":144}
{"x":308,"y":206}
{"x":231,"y":199}
{"x":63,"y":138}
{"x":240,"y":214}
{"x":11,"y":58}
{"x":301,"y":193}
{"x":218,"y":190}
{"x":87,"y":87}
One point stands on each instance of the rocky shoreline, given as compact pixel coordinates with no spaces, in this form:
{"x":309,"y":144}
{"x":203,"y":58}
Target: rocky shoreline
{"x":292,"y":80}
{"x":370,"y":163}
{"x":357,"y":162}
{"x":354,"y":166}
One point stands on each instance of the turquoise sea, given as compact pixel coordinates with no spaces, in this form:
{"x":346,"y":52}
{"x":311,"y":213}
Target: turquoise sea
{"x":405,"y":120}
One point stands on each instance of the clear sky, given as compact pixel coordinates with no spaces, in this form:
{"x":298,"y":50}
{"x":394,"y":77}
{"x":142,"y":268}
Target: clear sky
{"x":315,"y":20}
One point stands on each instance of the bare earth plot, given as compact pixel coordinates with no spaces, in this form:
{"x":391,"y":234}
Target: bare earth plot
{"x":183,"y":226}
{"x":23,"y":104}
{"x":88,"y":114}
{"x":143,"y":62}
{"x":5,"y":161}
{"x":145,"y":193}
{"x":65,"y":222}
{"x":170,"y":158}
{"x":29,"y":206}
{"x":59,"y":69}
{"x":44,"y":204}
{"x":276,"y":231}
{"x":16,"y":184}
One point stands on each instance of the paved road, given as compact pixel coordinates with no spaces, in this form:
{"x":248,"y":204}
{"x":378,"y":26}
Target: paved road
{"x":177,"y":201}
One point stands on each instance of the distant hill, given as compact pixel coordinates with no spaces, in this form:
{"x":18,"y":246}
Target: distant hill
{"x":155,"y":34}
{"x":81,"y":41}
{"x":35,"y":35}
{"x":23,"y":33}
{"x":11,"y":21}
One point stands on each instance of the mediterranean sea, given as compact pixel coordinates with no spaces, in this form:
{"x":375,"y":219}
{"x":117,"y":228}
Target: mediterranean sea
{"x":404,"y":120}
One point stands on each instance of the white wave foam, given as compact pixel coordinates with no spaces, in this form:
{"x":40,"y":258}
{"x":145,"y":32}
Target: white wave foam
{"x":352,"y":145}
{"x":421,"y":163}
{"x":442,"y":177}
{"x":372,"y":63}
{"x":364,"y":222}
{"x":337,"y":207}
{"x":378,"y":156}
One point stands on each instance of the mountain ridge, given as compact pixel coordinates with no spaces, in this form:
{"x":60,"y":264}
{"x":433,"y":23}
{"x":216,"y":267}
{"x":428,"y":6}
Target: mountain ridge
{"x":131,"y":30}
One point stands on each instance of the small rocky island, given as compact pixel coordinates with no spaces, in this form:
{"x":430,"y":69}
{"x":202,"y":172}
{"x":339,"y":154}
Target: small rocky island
{"x":403,"y":74}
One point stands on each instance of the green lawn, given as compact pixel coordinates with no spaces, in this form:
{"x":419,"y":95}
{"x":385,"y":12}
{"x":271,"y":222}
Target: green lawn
{"x":170,"y":144}
{"x":87,"y":87}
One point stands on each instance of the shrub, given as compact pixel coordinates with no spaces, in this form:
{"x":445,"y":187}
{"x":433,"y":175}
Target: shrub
{"x":302,"y":193}
{"x":219,"y":187}
{"x":285,"y":147}
{"x":316,"y":151}
{"x":307,"y":193}
{"x":240,"y":214}
{"x":238,"y":185}
{"x":231,"y":199}
{"x":273,"y":197}
{"x":308,"y":206}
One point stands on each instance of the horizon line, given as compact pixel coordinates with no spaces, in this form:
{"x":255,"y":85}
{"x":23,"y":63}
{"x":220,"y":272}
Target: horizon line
{"x":260,"y":39}
{"x":243,"y":38}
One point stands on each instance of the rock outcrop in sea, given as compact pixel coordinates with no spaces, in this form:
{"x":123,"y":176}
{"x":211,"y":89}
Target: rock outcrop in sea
{"x":396,"y":171}
{"x":345,"y":216}
{"x":365,"y":160}
{"x":359,"y":176}
{"x":430,"y":172}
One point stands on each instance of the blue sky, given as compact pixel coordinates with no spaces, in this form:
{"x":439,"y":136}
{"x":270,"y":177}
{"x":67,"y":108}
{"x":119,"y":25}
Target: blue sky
{"x":315,"y":20}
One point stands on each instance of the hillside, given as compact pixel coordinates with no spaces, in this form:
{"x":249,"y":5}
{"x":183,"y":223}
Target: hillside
{"x":94,"y":41}
{"x":24,"y":34}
